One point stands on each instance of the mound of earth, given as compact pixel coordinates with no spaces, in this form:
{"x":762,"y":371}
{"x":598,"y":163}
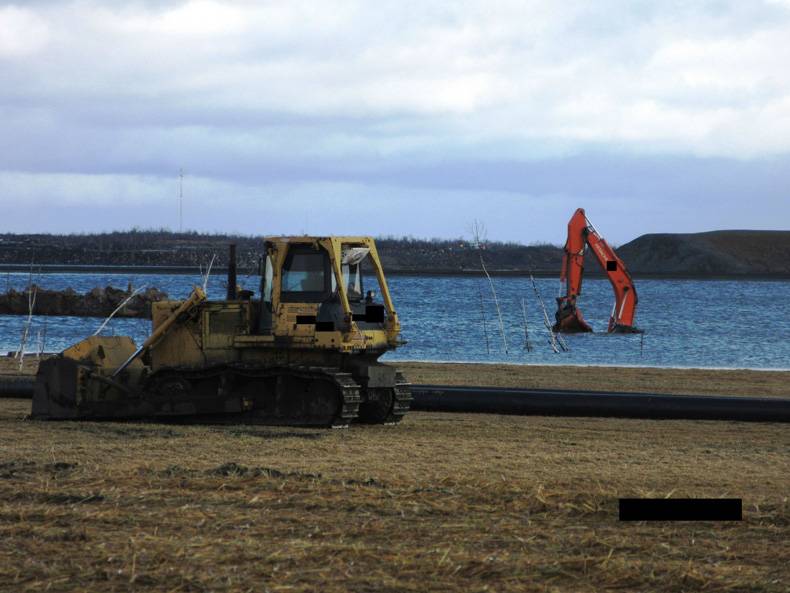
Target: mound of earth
{"x":713,"y":253}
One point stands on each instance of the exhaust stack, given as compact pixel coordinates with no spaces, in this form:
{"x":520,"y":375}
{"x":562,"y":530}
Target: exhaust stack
{"x":232,"y":273}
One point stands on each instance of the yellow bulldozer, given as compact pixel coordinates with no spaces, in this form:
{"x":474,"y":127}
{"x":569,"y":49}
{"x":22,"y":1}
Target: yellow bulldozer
{"x":304,"y":352}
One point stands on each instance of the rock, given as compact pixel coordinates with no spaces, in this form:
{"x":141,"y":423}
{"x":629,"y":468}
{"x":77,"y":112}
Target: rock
{"x":99,"y":302}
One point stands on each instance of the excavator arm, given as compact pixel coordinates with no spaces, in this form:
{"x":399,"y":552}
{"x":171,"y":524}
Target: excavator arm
{"x":581,"y":234}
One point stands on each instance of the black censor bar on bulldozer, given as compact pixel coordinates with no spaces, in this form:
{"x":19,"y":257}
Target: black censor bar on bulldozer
{"x":231,"y":292}
{"x":549,"y":402}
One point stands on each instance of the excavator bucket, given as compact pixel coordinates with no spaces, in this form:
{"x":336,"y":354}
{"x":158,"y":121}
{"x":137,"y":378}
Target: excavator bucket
{"x":570,"y":320}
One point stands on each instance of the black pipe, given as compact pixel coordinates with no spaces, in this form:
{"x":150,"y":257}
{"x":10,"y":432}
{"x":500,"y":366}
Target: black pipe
{"x":547,"y":402}
{"x":544,"y":402}
{"x":232,"y":273}
{"x":16,"y":386}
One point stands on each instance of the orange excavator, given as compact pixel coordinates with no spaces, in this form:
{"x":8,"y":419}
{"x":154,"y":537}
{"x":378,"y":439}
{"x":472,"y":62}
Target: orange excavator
{"x":582,"y":233}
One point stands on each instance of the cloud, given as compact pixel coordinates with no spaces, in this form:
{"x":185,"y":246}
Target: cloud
{"x":520,"y":202}
{"x":22,"y":32}
{"x":522,"y":71}
{"x":415,"y":97}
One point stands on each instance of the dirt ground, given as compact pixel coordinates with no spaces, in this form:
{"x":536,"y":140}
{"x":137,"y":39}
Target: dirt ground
{"x":10,"y":366}
{"x":440,"y":502}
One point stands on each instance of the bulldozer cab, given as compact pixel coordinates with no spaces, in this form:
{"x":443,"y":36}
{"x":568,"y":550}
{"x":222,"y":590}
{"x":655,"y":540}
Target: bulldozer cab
{"x":308,"y":275}
{"x":314,"y":287}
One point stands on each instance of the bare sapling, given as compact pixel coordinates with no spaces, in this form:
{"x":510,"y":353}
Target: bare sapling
{"x":32,"y":290}
{"x":478,"y":239}
{"x":557,"y":335}
{"x":527,"y":344}
{"x":561,"y":341}
{"x":208,"y":272}
{"x":554,"y":339}
{"x":483,"y":316}
{"x":118,"y":308}
{"x":43,"y":343}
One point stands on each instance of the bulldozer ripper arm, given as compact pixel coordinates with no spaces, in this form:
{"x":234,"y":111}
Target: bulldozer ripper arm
{"x":197,"y":297}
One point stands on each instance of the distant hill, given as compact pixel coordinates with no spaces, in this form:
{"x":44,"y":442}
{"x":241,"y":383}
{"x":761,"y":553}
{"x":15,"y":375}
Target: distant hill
{"x":726,"y":253}
{"x":717,"y":253}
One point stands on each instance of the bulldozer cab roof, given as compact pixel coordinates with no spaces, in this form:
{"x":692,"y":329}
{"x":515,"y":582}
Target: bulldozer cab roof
{"x":311,"y":240}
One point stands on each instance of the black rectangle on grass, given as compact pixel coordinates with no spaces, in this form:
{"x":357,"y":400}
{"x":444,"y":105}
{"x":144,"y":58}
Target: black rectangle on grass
{"x":681,"y":509}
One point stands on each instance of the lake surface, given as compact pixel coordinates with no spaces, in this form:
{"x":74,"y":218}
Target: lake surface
{"x":687,"y":323}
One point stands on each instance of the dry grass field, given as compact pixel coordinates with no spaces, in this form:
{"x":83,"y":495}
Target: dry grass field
{"x":10,"y":366}
{"x":440,"y":502}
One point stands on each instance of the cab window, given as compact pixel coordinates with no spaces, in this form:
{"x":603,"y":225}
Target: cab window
{"x":351,"y":267}
{"x":268,"y":277}
{"x":306,"y":276}
{"x":352,"y":278}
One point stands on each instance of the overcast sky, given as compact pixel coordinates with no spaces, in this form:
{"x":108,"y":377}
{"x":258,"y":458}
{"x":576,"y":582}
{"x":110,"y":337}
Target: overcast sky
{"x":401,"y":118}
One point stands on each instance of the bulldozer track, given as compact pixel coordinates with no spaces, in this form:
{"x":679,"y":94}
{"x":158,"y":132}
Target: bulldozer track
{"x":348,"y":390}
{"x":401,"y":401}
{"x":349,"y":396}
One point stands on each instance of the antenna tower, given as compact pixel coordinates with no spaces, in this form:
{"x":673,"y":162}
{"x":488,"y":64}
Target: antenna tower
{"x":181,"y":200}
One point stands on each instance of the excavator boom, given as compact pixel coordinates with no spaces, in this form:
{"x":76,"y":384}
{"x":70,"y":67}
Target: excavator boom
{"x":581,"y":234}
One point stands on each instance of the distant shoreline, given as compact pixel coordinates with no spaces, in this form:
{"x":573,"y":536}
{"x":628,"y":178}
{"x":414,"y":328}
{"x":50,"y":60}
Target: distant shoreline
{"x":717,"y":255}
{"x":194,"y":271}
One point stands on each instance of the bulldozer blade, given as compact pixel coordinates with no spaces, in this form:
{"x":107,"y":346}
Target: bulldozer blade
{"x":55,"y":394}
{"x":73,"y":383}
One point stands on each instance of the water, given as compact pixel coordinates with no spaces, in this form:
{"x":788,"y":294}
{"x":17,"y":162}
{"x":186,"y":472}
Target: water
{"x":714,"y":324}
{"x":687,"y":323}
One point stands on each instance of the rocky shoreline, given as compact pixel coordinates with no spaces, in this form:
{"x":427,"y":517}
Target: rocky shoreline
{"x":99,"y":302}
